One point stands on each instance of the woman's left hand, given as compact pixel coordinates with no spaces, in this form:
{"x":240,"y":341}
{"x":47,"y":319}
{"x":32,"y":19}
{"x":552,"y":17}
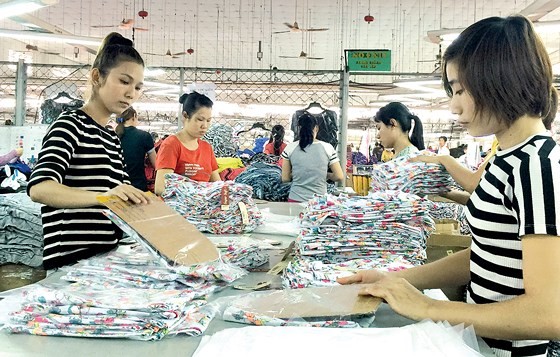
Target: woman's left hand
{"x":403,"y":298}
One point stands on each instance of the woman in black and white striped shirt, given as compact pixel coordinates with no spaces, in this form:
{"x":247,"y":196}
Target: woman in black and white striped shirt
{"x":499,"y":77}
{"x":81,"y":159}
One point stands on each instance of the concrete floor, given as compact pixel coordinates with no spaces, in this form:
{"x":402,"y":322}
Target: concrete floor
{"x":14,"y":276}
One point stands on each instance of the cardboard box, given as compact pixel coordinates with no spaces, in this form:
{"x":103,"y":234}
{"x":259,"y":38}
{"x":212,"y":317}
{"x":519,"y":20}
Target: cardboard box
{"x":447,"y":226}
{"x":440,"y":245}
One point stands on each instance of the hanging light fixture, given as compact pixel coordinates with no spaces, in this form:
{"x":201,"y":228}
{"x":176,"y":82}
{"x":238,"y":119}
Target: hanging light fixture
{"x":368,"y":18}
{"x":143,"y":13}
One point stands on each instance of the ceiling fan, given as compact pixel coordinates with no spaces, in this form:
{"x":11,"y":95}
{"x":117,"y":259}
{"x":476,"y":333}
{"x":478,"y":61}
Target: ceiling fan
{"x":168,"y":54}
{"x":295,"y":28}
{"x":303,"y":55}
{"x":125,"y":24}
{"x":32,"y":48}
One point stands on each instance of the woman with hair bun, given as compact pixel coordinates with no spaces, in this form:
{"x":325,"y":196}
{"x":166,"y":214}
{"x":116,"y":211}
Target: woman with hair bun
{"x":307,"y":161}
{"x":81,"y":159}
{"x":185,"y":153}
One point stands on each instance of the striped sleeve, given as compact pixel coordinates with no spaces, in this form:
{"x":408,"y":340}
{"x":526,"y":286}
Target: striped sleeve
{"x":59,"y":145}
{"x":537,"y":192}
{"x":331,"y":152}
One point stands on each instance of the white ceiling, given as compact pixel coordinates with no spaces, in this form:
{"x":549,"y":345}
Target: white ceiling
{"x":225,"y":34}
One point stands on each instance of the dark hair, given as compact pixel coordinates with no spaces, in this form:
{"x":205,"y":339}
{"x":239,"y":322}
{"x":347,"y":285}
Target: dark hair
{"x":307,"y":124}
{"x":121,"y":119}
{"x":444,"y":138}
{"x":113,"y":50}
{"x":277,"y":136}
{"x":404,"y":117}
{"x":505,"y":67}
{"x":193,"y":102}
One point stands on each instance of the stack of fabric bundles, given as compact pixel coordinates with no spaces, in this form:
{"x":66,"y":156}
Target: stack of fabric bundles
{"x":385,"y":230}
{"x":414,"y":177}
{"x":202,"y":204}
{"x":21,"y":231}
{"x":126,"y":294}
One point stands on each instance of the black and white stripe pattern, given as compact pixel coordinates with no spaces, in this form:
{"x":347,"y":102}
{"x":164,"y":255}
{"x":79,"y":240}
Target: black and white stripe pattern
{"x":78,"y":153}
{"x":517,"y":196}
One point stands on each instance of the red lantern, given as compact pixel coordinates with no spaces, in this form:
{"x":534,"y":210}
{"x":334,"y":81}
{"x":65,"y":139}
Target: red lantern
{"x":143,"y":14}
{"x":190,"y":51}
{"x":368,"y":18}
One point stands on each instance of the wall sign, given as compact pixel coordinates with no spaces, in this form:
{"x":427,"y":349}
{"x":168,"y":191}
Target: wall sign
{"x":368,"y":60}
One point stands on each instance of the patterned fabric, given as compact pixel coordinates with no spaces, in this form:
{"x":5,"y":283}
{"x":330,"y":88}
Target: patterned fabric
{"x":200,"y":203}
{"x":304,"y":273}
{"x":381,"y":225}
{"x":223,"y":141}
{"x":414,"y":177}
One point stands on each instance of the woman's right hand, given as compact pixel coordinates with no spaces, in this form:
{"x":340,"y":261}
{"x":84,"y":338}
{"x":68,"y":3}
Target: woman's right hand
{"x":19,"y":151}
{"x":363,"y":277}
{"x":128,"y":192}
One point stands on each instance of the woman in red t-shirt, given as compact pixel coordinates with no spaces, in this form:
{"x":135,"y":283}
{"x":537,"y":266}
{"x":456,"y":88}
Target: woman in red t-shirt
{"x":185,"y":153}
{"x":276,"y":144}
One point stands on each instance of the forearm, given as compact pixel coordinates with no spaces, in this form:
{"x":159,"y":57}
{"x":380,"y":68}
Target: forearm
{"x":4,"y":159}
{"x":450,"y":271}
{"x":54,"y":194}
{"x":159,"y":185}
{"x":467,"y":179}
{"x":523,"y":317}
{"x":215,"y":176}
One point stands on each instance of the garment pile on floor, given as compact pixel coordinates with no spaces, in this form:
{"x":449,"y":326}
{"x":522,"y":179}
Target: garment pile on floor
{"x":124,"y":294}
{"x":21,"y":231}
{"x":266,"y":181}
{"x":385,"y":228}
{"x":201,"y":203}
{"x":414,"y":177}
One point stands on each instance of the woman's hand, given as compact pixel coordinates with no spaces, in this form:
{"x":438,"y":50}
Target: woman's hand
{"x":363,"y":277}
{"x":401,"y":296}
{"x":19,"y":151}
{"x":128,"y":192}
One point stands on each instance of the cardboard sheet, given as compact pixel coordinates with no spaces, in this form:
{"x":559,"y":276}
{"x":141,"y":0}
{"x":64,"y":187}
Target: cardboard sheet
{"x":333,"y":301}
{"x":165,"y":231}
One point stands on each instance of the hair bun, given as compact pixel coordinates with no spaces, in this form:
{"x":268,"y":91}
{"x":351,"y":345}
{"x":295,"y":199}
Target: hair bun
{"x":115,"y":38}
{"x":183,"y":98}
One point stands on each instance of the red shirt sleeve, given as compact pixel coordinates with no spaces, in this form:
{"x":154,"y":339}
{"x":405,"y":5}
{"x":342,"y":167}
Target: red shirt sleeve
{"x":168,"y":154}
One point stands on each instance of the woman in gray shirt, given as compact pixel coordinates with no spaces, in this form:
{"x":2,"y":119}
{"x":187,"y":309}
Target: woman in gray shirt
{"x":306,"y":163}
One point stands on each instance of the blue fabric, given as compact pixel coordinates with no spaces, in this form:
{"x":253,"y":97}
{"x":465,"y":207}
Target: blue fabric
{"x":266,"y":181}
{"x":259,"y":144}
